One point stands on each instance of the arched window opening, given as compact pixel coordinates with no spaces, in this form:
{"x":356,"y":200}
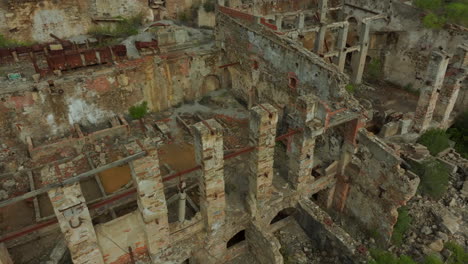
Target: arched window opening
{"x":236,"y":239}
{"x":283,"y":214}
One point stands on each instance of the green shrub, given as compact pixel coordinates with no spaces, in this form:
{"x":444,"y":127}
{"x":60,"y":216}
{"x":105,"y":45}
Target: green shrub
{"x":436,"y":140}
{"x":10,"y":43}
{"x":458,"y":256}
{"x":384,"y":257}
{"x":434,"y":178}
{"x":434,"y":21}
{"x":209,"y":6}
{"x":351,"y":88}
{"x":402,"y":225}
{"x":126,"y":27}
{"x":138,"y":111}
{"x":459,"y":133}
{"x":432,"y":259}
{"x":428,"y":4}
{"x":457,"y":12}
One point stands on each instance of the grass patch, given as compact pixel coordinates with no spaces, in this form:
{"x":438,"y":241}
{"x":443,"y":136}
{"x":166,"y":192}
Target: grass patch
{"x":401,"y":227}
{"x":125,"y":28}
{"x":11,"y":43}
{"x":384,"y":257}
{"x":436,"y":140}
{"x":374,"y":69}
{"x":458,"y":254}
{"x":138,"y":111}
{"x":459,"y":133}
{"x":432,"y":259}
{"x":351,"y":88}
{"x":434,"y":178}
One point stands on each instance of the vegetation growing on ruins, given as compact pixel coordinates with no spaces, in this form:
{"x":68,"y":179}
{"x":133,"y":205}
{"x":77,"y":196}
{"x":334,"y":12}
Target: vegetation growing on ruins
{"x":402,"y":225}
{"x":351,"y":88}
{"x":459,"y":133}
{"x":457,"y":256}
{"x":9,"y":43}
{"x":138,"y":111}
{"x":434,"y":178}
{"x":384,"y":257}
{"x":374,"y":69}
{"x":436,"y":140}
{"x":441,"y":12}
{"x":123,"y":28}
{"x":209,"y":6}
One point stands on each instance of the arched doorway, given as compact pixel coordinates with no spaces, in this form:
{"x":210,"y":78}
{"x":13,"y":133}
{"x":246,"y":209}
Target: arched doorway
{"x":283,"y":214}
{"x":236,"y":239}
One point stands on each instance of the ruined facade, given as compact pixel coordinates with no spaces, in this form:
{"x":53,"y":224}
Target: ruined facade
{"x":253,"y":128}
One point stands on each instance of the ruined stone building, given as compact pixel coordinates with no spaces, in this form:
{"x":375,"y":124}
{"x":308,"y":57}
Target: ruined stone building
{"x":278,"y":131}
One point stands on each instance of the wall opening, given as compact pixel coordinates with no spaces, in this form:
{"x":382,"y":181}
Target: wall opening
{"x":283,"y":214}
{"x":236,"y":239}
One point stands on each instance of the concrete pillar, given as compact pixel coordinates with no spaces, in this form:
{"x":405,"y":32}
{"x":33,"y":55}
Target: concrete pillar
{"x":263,"y":121}
{"x":301,"y":153}
{"x":448,"y":96}
{"x":359,"y":58}
{"x":343,"y":35}
{"x":4,"y":255}
{"x":323,"y":9}
{"x":76,"y":224}
{"x":428,"y":97}
{"x":320,"y":39}
{"x":182,"y":202}
{"x":279,"y":22}
{"x":301,"y":21}
{"x":221,"y":2}
{"x":209,"y":155}
{"x":150,"y":197}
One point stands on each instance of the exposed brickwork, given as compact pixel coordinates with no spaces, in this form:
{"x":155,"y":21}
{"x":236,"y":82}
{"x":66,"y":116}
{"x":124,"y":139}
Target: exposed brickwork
{"x":151,"y":200}
{"x":76,"y":224}
{"x":209,"y":155}
{"x":263,"y":121}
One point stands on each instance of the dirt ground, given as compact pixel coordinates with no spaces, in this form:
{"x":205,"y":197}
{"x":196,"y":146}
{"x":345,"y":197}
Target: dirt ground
{"x":115,"y":178}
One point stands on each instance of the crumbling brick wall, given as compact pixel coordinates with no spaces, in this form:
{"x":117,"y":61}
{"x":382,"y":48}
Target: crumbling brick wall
{"x":91,"y":96}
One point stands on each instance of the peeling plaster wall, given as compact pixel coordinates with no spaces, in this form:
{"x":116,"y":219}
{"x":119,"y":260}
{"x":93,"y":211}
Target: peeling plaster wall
{"x":114,"y":8}
{"x":379,"y":186}
{"x":93,"y":95}
{"x":35,"y":20}
{"x":405,"y":53}
{"x":278,"y":59}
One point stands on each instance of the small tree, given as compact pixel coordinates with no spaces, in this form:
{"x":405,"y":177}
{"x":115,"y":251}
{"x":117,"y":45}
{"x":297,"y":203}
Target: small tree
{"x":434,"y":178}
{"x":436,"y":140}
{"x":459,"y":133}
{"x":138,"y":111}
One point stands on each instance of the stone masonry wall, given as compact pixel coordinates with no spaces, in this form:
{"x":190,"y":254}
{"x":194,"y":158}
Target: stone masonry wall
{"x":408,"y":44}
{"x":271,"y":68}
{"x":378,"y":185}
{"x":91,"y":96}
